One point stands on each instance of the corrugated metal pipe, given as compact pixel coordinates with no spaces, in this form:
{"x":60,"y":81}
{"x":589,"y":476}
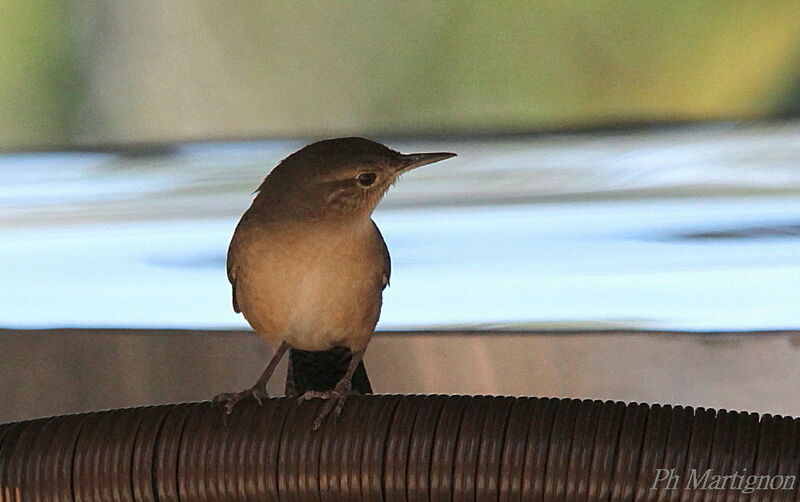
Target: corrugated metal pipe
{"x":403,"y":448}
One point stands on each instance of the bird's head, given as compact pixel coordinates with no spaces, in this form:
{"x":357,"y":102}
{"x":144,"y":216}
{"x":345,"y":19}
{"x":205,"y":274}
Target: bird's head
{"x":343,"y":176}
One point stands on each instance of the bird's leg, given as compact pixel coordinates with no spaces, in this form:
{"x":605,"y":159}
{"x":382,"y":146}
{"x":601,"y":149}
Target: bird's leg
{"x":336,"y":397}
{"x":259,"y":390}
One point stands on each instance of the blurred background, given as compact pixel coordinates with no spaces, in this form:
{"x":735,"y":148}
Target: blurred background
{"x":111,"y":73}
{"x":622,"y":221}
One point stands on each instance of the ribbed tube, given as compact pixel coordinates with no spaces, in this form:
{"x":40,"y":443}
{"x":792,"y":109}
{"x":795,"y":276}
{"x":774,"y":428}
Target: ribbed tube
{"x":397,"y":448}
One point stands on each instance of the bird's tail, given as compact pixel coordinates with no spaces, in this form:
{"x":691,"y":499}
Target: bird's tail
{"x":321,"y":370}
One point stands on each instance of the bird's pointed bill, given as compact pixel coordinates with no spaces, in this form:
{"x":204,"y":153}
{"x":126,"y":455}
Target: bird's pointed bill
{"x":414,"y":160}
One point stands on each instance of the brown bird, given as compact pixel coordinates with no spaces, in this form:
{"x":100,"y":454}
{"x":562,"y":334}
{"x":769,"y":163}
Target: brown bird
{"x":307,"y":264}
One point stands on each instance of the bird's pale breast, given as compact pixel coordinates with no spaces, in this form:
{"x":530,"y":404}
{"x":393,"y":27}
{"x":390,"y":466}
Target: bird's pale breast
{"x":313,"y":286}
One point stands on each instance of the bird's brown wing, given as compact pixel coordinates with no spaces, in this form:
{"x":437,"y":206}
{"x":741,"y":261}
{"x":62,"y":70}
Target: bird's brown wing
{"x":232,"y":278}
{"x":387,"y":261}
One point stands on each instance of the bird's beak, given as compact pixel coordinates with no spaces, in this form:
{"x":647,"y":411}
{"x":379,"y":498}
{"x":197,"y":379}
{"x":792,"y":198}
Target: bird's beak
{"x":414,"y":160}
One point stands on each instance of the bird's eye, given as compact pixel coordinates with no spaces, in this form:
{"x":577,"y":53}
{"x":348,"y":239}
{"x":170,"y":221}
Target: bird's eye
{"x":366,"y":179}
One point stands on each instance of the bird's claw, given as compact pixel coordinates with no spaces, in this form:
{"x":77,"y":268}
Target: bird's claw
{"x":334,"y":403}
{"x":314,"y":394}
{"x":230,"y":399}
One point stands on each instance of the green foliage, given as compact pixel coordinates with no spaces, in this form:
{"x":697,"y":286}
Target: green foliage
{"x":154,"y":70}
{"x":37,"y":74}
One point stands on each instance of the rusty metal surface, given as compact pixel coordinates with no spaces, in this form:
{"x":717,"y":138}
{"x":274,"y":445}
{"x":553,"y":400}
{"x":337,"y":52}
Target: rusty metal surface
{"x":393,"y":448}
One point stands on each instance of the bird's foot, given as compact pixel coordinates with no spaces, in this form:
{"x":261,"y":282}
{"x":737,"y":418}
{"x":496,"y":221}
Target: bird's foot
{"x":334,"y":402}
{"x":258,"y":392}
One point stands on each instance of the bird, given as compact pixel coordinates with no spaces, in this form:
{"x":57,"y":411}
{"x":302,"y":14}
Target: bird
{"x":308,"y":265}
